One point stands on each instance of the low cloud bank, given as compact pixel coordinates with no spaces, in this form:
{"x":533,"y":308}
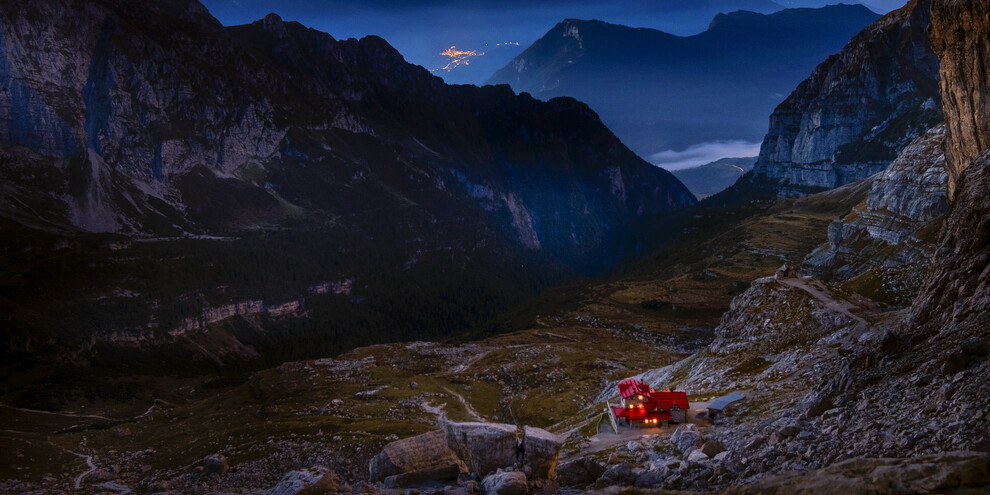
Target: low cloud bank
{"x":703,"y":153}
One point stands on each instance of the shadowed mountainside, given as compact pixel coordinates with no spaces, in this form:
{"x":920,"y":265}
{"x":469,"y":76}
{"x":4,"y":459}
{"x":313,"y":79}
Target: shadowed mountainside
{"x":166,"y":178}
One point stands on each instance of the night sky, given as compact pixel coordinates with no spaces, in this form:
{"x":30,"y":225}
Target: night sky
{"x":421,"y":30}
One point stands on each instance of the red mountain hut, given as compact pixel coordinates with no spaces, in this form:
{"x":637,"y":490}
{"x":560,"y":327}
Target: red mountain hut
{"x":642,"y":404}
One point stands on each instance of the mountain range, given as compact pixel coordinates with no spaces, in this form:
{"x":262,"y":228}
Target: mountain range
{"x":714,"y":177}
{"x":658,"y":91}
{"x":195,"y":179}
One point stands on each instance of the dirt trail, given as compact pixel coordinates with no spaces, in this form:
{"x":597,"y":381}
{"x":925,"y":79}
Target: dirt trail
{"x":70,"y":414}
{"x":469,"y":362}
{"x":470,"y":410}
{"x":92,"y":467}
{"x":817,"y":290}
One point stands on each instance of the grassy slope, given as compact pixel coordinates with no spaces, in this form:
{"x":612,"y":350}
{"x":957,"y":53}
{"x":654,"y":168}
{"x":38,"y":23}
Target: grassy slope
{"x":585,"y":337}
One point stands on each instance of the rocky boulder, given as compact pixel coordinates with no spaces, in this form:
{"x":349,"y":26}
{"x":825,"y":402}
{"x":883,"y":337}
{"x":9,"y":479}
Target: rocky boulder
{"x":505,"y":483}
{"x":486,"y":447}
{"x":313,"y":481}
{"x":686,"y":438}
{"x":712,"y":447}
{"x":429,"y":451}
{"x":579,"y":472}
{"x":215,"y":465}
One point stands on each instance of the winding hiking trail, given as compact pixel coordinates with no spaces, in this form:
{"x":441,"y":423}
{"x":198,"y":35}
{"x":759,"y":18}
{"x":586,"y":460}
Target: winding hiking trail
{"x":817,"y":289}
{"x":470,"y":410}
{"x":92,"y":467}
{"x":467,"y":364}
{"x":70,"y":414}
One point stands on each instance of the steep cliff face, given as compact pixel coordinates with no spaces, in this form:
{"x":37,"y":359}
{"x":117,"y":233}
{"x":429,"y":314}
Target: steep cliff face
{"x":857,"y":110}
{"x":139,"y":98}
{"x":953,"y":302}
{"x":959,"y":36}
{"x":885,"y":244}
{"x":151,"y":120}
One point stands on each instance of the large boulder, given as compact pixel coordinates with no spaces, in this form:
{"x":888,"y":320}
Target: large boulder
{"x":686,"y":438}
{"x":505,"y":483}
{"x":486,"y":447}
{"x":712,"y":447}
{"x":579,"y":472}
{"x":429,"y":451}
{"x":313,"y":481}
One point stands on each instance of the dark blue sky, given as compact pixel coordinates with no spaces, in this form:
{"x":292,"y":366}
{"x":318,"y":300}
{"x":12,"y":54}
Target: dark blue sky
{"x":421,"y":30}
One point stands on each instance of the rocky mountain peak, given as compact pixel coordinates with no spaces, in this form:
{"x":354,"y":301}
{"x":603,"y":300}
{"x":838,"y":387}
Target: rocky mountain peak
{"x":272,"y":23}
{"x":738,"y":70}
{"x":857,"y":110}
{"x":162,"y":126}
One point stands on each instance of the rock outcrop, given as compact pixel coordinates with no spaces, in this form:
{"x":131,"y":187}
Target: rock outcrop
{"x":771,"y":317}
{"x":959,"y":37}
{"x":425,"y":452}
{"x":953,"y":302}
{"x":856,"y":111}
{"x":486,"y":447}
{"x":886,"y":243}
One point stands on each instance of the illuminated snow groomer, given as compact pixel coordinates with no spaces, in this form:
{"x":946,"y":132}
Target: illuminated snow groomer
{"x":644,"y":405}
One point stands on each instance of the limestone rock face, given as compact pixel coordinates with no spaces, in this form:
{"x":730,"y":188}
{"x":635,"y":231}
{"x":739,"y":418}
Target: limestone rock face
{"x":857,"y":110}
{"x":423,"y":452}
{"x":140,"y":96}
{"x":881,"y":241}
{"x":150,"y":119}
{"x":956,"y":293}
{"x":486,"y":447}
{"x":959,"y":37}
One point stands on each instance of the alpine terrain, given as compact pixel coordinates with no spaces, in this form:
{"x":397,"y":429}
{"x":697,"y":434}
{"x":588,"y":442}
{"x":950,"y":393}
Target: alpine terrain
{"x":256,"y":259}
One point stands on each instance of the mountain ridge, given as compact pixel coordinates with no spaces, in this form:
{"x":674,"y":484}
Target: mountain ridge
{"x":659,"y":91}
{"x":185,"y":135}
